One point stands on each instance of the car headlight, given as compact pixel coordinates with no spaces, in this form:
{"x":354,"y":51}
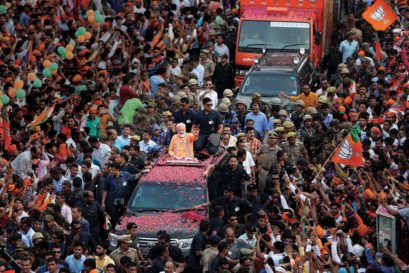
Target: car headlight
{"x":241,"y":72}
{"x":185,"y":243}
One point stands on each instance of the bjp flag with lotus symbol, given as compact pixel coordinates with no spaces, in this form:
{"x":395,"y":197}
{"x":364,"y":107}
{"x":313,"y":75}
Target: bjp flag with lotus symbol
{"x":350,"y":151}
{"x":380,"y":15}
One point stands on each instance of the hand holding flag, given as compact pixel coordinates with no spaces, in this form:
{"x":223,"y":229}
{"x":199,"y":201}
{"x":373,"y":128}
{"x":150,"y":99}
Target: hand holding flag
{"x":350,"y":151}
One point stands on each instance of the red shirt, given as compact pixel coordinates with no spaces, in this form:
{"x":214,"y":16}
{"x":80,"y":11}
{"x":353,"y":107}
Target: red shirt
{"x":66,"y":131}
{"x":126,"y":93}
{"x":4,"y":220}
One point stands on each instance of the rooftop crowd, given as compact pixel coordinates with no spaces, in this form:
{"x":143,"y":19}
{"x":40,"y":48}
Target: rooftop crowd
{"x":92,"y":92}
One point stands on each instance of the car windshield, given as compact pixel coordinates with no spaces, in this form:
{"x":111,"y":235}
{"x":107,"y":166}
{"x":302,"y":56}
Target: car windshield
{"x":167,"y":196}
{"x":270,"y":84}
{"x":256,"y":35}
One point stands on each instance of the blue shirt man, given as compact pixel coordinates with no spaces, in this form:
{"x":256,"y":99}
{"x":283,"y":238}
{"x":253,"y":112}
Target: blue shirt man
{"x":260,"y":120}
{"x":154,"y":81}
{"x":76,"y":261}
{"x":348,"y":47}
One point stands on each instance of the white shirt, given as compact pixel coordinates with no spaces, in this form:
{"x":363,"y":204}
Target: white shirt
{"x":22,"y":164}
{"x":319,"y":92}
{"x":232,"y":141}
{"x":71,"y":142}
{"x":212,"y":95}
{"x":66,"y":213}
{"x":369,"y":111}
{"x":140,"y":11}
{"x":221,"y":50}
{"x":199,"y":71}
{"x":277,"y":257}
{"x":94,"y":170}
{"x":175,"y":70}
{"x":358,"y":62}
{"x":69,"y":177}
{"x":23,"y":214}
{"x":102,"y":153}
{"x":28,"y":237}
{"x":251,"y":242}
{"x":248,"y":163}
{"x":179,"y":4}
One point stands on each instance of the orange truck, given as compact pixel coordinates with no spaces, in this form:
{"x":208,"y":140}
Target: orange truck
{"x":282,"y":25}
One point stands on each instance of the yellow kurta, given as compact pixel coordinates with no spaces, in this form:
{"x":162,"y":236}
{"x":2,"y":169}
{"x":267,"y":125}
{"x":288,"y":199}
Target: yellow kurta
{"x":309,"y":101}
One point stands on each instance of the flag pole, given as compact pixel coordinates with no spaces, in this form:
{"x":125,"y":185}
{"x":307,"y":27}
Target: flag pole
{"x":329,"y":158}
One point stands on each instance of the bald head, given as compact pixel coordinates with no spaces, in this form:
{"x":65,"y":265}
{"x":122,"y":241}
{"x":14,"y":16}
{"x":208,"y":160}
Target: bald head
{"x":169,"y":267}
{"x":113,"y":133}
{"x":229,"y":235}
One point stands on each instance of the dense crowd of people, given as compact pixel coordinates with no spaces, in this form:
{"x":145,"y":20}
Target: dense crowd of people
{"x":92,"y":92}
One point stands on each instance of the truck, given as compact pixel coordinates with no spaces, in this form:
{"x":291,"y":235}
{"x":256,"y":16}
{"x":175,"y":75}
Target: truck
{"x":282,"y":26}
{"x":164,"y":199}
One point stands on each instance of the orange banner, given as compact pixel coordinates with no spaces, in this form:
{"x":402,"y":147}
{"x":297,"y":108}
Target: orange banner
{"x":380,"y":15}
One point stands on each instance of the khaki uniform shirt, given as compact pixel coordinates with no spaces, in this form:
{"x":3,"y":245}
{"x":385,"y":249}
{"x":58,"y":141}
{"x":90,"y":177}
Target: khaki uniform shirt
{"x":295,"y":151}
{"x":267,"y":156}
{"x":208,"y":66}
{"x":117,"y":254}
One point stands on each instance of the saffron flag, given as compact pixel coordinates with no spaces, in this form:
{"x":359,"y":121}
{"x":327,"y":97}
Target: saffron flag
{"x":43,"y":117}
{"x":380,"y":15}
{"x":399,"y":105}
{"x":378,"y":48}
{"x":350,"y":152}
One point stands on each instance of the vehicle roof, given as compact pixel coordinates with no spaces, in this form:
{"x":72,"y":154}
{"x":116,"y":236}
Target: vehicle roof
{"x":177,"y":174}
{"x":168,"y":170}
{"x":273,"y":60}
{"x":273,"y":70}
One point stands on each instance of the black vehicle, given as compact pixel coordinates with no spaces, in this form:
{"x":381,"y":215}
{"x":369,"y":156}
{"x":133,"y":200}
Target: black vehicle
{"x":163,"y":200}
{"x":277,"y":72}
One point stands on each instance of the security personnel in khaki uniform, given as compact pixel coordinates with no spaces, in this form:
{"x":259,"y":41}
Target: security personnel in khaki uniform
{"x":152,"y":112}
{"x":307,"y":134}
{"x":331,"y":95}
{"x":207,"y":63}
{"x":288,"y":126}
{"x":124,"y":249}
{"x":228,"y":93}
{"x":160,"y":101}
{"x":266,"y":158}
{"x":294,"y":148}
{"x":280,"y":135}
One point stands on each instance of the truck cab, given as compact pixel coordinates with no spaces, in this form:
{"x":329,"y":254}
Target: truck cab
{"x":163,"y":200}
{"x":281,"y":26}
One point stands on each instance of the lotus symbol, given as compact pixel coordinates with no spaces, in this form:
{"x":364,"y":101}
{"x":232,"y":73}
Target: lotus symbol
{"x":379,"y":14}
{"x":345,"y":151}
